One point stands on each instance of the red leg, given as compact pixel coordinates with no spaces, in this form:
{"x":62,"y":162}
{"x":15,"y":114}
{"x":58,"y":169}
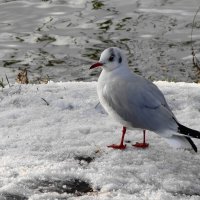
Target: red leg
{"x":143,"y":144}
{"x":121,"y":145}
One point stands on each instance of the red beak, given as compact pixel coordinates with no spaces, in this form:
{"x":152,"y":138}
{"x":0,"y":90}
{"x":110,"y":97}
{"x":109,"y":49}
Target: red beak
{"x":98,"y":64}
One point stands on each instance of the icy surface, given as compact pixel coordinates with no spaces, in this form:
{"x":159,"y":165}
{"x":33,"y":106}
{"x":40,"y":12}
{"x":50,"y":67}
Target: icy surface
{"x":61,"y":38}
{"x":53,"y":136}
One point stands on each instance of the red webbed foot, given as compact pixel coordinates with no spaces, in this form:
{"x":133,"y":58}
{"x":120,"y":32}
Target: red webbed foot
{"x":141,"y":145}
{"x":117,"y":146}
{"x":121,"y":145}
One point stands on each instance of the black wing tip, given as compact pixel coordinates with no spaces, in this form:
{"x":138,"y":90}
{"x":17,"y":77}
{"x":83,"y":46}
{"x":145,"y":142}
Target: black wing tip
{"x":188,"y":131}
{"x":192,"y":144}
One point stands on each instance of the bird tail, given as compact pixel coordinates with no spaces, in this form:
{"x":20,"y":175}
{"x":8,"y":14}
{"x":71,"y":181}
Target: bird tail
{"x":181,"y":142}
{"x":188,"y":132}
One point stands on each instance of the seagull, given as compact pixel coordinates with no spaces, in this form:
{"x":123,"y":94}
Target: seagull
{"x":137,"y":103}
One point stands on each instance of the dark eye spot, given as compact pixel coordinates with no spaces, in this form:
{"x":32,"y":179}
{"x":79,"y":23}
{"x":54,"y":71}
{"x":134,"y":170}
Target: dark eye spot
{"x":111,"y":58}
{"x":120,"y":59}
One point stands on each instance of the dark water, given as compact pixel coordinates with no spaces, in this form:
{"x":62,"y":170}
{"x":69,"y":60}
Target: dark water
{"x":62,"y":38}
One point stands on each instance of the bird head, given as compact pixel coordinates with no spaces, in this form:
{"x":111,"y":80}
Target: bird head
{"x":110,"y":59}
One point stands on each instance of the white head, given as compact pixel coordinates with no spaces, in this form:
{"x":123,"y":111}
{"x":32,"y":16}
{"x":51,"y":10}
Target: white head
{"x":111,"y":59}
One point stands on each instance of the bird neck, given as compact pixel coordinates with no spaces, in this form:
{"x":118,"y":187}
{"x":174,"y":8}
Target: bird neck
{"x":120,"y":72}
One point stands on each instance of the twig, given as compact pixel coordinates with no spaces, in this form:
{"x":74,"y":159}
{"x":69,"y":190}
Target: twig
{"x":45,"y":101}
{"x":1,"y":83}
{"x":7,"y":80}
{"x":97,"y":105}
{"x":194,"y":58}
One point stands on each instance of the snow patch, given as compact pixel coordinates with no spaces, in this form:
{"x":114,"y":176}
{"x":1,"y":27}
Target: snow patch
{"x":51,"y":151}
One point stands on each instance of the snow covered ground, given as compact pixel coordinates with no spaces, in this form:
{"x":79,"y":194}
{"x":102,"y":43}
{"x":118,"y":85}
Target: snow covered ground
{"x":49,"y":151}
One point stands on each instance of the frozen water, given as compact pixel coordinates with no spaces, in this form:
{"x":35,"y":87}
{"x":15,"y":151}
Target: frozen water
{"x":67,"y":36}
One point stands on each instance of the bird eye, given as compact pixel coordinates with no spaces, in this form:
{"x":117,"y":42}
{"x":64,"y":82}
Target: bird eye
{"x":111,"y":58}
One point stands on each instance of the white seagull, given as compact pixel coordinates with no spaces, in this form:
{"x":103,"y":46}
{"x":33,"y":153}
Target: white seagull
{"x":137,"y":103}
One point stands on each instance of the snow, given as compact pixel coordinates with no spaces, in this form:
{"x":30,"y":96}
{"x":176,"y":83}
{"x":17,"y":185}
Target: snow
{"x":43,"y":147}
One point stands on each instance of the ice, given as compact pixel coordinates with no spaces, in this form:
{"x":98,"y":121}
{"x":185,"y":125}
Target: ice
{"x":53,"y":140}
{"x":191,"y":56}
{"x":146,"y":36}
{"x":167,"y":11}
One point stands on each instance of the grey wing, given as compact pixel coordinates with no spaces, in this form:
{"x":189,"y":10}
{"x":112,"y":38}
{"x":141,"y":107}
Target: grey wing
{"x":156,"y":93}
{"x":141,"y":104}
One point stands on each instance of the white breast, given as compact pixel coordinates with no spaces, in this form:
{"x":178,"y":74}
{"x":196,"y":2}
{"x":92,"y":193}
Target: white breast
{"x":101,"y":86}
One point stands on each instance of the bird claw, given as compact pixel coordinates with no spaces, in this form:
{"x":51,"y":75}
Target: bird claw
{"x":117,"y":146}
{"x":141,"y":145}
